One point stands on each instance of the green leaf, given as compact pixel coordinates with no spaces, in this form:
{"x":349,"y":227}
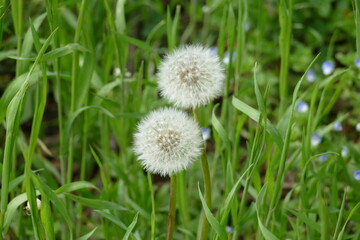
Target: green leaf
{"x":112,"y":218}
{"x":70,"y":187}
{"x":227,"y":205}
{"x":57,"y":203}
{"x":220,"y":230}
{"x":259,"y":202}
{"x":88,"y":235}
{"x":255,"y":115}
{"x":95,"y":203}
{"x":219,"y":128}
{"x":131,"y":227}
{"x":12,"y":207}
{"x":353,"y":211}
{"x":74,"y":115}
{"x":136,"y":42}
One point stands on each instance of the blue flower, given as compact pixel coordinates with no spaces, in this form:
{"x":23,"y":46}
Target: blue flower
{"x":344,"y":152}
{"x":226,"y":59}
{"x":323,"y":158}
{"x":205,"y":9}
{"x":247,"y":26}
{"x":229,"y":229}
{"x":357,"y":62}
{"x":214,"y":51}
{"x":357,"y":175}
{"x":206,"y":133}
{"x":358,"y":127}
{"x":315,"y":139}
{"x":311,"y":75}
{"x":338,"y":127}
{"x":302,"y":107}
{"x":327,"y":67}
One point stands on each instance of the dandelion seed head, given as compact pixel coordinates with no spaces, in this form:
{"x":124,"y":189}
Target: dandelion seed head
{"x":327,"y":67}
{"x":315,"y":139}
{"x":167,"y":141}
{"x":311,"y":75}
{"x":38,"y":203}
{"x":302,"y":107}
{"x":338,"y":126}
{"x":191,"y":76}
{"x":357,"y":175}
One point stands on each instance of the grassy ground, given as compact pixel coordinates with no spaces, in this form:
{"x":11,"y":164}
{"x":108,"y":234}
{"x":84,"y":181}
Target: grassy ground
{"x":77,"y":76}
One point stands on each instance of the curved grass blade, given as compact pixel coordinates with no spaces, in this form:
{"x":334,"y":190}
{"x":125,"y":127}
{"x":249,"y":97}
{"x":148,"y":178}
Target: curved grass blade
{"x":220,"y":230}
{"x":131,"y":227}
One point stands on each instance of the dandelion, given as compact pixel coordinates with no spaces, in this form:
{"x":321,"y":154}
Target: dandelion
{"x":357,"y":62}
{"x":315,"y":139}
{"x":327,"y":67}
{"x":38,"y":203}
{"x":323,"y":158}
{"x":191,"y":76}
{"x":357,"y":175}
{"x":302,"y":107}
{"x":311,"y":75}
{"x":206,"y":133}
{"x":167,"y":141}
{"x":338,"y":126}
{"x":358,"y":127}
{"x":344,"y":152}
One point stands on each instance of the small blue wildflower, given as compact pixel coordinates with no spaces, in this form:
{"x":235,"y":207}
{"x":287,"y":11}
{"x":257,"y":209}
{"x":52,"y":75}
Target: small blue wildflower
{"x":357,"y":175}
{"x":302,"y":107}
{"x":344,"y":152}
{"x":226,"y":59}
{"x":357,"y":62}
{"x":311,"y":75}
{"x":214,"y":51}
{"x":323,"y":158}
{"x":247,"y":26}
{"x":205,"y":9}
{"x":315,"y":139}
{"x":358,"y":127}
{"x":206,"y":133}
{"x":338,"y":126}
{"x":327,"y":67}
{"x":229,"y":229}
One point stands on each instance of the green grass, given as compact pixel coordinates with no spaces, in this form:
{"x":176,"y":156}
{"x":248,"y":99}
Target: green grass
{"x":77,"y":76}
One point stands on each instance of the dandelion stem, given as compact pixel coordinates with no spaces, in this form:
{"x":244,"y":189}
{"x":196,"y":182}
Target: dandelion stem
{"x":172,"y":212}
{"x":207,"y":183}
{"x":152,"y":206}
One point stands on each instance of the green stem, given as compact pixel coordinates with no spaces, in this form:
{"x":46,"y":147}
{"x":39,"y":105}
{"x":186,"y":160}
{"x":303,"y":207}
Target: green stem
{"x":207,"y":183}
{"x":357,"y":23}
{"x":285,"y":18}
{"x":153,"y":223}
{"x":172,"y":208}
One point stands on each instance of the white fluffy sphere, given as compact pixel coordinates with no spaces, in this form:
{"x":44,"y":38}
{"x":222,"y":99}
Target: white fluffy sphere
{"x":191,"y":76}
{"x":167,"y":141}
